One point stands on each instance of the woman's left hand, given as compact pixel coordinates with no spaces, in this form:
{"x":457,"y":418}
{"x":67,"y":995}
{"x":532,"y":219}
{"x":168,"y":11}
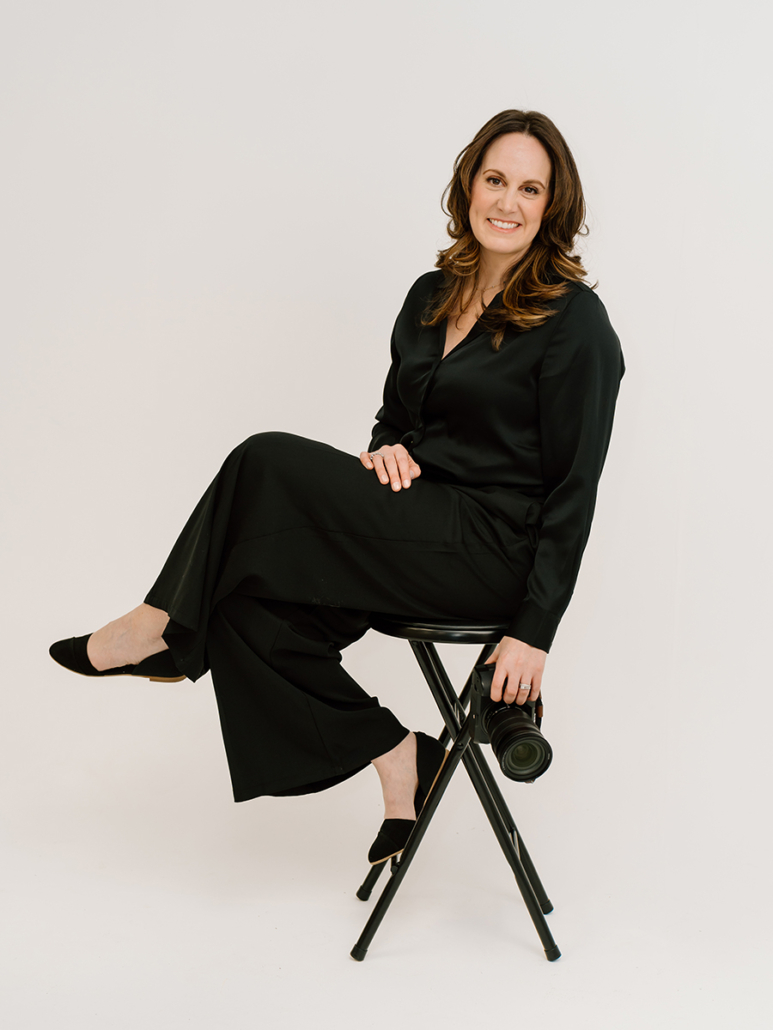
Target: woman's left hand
{"x":517,"y":664}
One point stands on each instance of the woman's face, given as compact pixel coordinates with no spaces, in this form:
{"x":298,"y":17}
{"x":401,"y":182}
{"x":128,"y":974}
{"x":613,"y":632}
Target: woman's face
{"x":510,"y":193}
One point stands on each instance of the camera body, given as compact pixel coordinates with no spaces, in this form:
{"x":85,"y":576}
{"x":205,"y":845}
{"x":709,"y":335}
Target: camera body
{"x":512,"y":730}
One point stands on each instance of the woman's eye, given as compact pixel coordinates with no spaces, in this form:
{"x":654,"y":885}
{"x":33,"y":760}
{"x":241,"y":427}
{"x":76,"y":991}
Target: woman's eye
{"x":495,"y":180}
{"x":532,"y":188}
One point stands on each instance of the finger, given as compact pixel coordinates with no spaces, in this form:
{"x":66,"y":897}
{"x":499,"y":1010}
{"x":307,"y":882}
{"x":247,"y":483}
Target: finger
{"x":536,"y":686}
{"x":393,"y":472}
{"x":521,"y":693}
{"x":497,"y":683}
{"x":493,"y":656}
{"x":403,"y":468}
{"x":378,"y":466}
{"x":414,"y":471}
{"x":366,"y":459}
{"x":514,"y":693}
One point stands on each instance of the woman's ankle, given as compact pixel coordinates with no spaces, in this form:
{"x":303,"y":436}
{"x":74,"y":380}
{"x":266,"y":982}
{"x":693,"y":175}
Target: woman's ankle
{"x":399,"y":779}
{"x":149,"y":623}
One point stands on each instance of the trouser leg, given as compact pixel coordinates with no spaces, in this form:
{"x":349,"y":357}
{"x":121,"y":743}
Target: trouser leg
{"x":304,"y":524}
{"x":293,"y":720}
{"x":296,"y":520}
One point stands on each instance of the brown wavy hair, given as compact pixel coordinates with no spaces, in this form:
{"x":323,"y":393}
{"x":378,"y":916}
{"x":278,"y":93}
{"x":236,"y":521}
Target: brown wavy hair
{"x":544,"y":271}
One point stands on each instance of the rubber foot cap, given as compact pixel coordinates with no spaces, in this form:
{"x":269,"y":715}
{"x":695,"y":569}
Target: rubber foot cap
{"x":551,"y":954}
{"x":358,"y":953}
{"x":363,"y":894}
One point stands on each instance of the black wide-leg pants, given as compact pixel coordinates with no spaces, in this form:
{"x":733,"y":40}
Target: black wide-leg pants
{"x":290,"y":549}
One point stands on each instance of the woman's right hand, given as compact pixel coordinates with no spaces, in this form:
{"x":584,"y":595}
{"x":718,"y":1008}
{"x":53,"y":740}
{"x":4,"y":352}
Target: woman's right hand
{"x":392,"y":464}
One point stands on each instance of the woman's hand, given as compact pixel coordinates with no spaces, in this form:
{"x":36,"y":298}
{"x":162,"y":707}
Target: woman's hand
{"x":392,"y":464}
{"x":517,"y":663}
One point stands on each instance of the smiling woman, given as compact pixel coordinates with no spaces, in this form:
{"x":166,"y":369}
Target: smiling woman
{"x":505,"y":214}
{"x":473,"y":500}
{"x":506,"y":207}
{"x":516,"y":208}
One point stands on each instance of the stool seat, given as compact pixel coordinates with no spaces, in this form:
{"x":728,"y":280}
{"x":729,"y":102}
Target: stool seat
{"x":438,"y":631}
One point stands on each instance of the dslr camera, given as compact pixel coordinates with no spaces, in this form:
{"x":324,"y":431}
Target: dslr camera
{"x":512,"y":730}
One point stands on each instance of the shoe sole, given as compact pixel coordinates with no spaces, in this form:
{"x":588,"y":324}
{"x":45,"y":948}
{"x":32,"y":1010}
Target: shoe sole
{"x":153,"y":679}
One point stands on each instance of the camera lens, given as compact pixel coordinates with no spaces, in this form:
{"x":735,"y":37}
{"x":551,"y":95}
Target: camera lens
{"x":521,"y":750}
{"x":525,"y":760}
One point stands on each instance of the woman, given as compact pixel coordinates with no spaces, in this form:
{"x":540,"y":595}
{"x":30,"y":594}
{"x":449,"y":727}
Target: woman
{"x":473,"y":500}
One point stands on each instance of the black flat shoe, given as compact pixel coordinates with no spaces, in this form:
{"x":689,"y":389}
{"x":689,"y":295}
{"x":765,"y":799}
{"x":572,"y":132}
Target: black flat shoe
{"x":391,"y":839}
{"x":72,"y":655}
{"x":394,"y":833}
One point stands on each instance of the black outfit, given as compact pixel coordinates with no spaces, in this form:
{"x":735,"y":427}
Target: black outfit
{"x":295,"y":543}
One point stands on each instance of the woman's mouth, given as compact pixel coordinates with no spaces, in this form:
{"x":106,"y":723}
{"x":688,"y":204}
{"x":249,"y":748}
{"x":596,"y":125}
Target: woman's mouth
{"x":503,"y":226}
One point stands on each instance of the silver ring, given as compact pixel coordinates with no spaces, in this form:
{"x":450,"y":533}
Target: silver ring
{"x":372,"y":454}
{"x":525,"y":686}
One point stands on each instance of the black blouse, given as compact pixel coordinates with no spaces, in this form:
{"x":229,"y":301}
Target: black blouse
{"x":524,"y":430}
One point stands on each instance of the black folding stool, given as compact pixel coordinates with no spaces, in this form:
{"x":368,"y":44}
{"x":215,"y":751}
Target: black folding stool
{"x":423,"y":634}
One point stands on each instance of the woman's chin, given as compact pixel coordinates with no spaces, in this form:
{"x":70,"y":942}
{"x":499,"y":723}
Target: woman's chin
{"x":502,"y":247}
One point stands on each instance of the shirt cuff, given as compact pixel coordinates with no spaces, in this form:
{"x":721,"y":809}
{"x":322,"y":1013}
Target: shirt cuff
{"x":533,"y":625}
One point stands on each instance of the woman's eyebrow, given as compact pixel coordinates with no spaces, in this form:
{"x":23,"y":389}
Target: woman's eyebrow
{"x":526,"y":182}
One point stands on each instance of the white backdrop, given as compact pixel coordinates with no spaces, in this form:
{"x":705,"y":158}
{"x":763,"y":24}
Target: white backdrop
{"x":211,"y":213}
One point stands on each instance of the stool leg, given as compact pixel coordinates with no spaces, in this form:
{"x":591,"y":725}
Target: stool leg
{"x":399,"y":869}
{"x":533,"y":893}
{"x":475,"y":754}
{"x":493,"y":787}
{"x":368,"y":883}
{"x":464,"y":696}
{"x":545,"y":903}
{"x":447,"y":702}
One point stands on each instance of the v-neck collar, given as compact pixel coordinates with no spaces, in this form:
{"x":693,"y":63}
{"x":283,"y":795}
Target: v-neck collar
{"x":473,"y":333}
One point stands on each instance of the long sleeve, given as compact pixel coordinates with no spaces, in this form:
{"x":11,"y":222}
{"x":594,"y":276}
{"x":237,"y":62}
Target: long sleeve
{"x":407,"y":379}
{"x":577,"y":390}
{"x":392,"y":414}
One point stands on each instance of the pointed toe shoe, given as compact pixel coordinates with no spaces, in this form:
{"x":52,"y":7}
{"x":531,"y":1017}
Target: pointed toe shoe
{"x":72,"y":654}
{"x":394,"y":833}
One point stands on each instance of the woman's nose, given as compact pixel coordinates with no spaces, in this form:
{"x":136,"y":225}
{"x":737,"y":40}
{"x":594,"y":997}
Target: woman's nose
{"x":510,"y":202}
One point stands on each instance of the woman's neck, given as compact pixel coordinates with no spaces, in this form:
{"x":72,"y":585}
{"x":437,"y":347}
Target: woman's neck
{"x":491,"y":272}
